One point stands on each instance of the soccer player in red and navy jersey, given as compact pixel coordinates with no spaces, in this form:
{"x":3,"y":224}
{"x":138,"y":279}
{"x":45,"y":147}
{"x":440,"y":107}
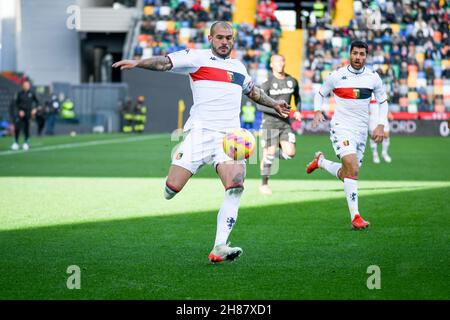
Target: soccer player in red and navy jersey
{"x":217,"y":83}
{"x":352,"y":86}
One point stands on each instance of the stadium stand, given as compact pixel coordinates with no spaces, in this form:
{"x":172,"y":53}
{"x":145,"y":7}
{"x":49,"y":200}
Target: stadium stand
{"x":168,"y":26}
{"x":408,"y":44}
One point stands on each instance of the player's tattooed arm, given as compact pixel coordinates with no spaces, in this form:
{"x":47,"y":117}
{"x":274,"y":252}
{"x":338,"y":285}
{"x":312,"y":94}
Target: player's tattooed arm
{"x":259,"y":96}
{"x":153,"y":63}
{"x":156,"y":64}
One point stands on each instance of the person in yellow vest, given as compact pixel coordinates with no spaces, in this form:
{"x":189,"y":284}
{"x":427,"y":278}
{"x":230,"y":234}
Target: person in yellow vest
{"x":248,"y":115}
{"x":318,"y":9}
{"x":68,"y":110}
{"x":140,"y":115}
{"x":127,"y":116}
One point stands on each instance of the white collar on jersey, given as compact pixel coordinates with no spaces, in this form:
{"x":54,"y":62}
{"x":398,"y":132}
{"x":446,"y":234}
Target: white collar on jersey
{"x":352,"y":70}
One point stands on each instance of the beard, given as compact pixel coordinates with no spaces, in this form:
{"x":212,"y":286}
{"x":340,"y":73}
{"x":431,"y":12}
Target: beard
{"x":220,"y":54}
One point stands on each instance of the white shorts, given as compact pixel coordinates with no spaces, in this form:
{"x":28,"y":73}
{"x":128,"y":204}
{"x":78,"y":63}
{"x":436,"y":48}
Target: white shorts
{"x":347,"y":141}
{"x":200,"y":147}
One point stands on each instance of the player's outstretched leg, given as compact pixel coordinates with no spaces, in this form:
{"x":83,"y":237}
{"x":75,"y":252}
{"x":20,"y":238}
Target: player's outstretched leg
{"x":176,"y":179}
{"x":232,"y":176}
{"x":319,"y":161}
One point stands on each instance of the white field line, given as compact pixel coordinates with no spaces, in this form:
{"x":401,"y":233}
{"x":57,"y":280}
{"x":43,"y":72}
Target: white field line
{"x":80,"y":144}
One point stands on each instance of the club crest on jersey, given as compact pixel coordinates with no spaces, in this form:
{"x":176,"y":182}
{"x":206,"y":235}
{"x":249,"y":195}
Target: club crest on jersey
{"x":345,"y":143}
{"x":230,"y":76}
{"x":275,"y":85}
{"x":356,"y":93}
{"x":290,"y":83}
{"x":179,"y":155}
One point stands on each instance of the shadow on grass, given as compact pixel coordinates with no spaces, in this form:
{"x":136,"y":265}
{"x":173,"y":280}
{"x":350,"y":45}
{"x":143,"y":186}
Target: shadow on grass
{"x":296,"y":251}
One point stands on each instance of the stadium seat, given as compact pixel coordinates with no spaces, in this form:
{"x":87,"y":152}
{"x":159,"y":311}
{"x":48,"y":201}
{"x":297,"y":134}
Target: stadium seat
{"x":149,"y":10}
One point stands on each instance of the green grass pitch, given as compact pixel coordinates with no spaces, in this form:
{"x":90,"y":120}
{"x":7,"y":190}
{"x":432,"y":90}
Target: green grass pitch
{"x":96,"y":201}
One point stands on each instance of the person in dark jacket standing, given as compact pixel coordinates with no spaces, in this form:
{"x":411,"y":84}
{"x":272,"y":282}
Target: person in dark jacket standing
{"x":53,"y":110}
{"x":24,"y":108}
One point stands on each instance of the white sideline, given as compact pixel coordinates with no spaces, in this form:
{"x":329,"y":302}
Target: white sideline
{"x":80,"y":144}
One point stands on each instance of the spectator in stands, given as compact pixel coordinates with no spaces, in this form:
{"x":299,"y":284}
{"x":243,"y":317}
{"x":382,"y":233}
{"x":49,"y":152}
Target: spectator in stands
{"x":266,"y":14}
{"x":414,"y":57}
{"x":185,"y":24}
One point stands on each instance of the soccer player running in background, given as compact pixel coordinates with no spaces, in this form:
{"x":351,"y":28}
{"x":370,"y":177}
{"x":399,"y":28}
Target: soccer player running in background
{"x":352,"y":86}
{"x":373,"y":121}
{"x":217,"y":83}
{"x":277,"y":131}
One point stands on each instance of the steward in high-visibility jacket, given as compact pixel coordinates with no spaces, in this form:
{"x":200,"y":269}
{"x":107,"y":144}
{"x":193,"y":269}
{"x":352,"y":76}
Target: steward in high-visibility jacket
{"x":68,"y":110}
{"x":127,"y":116}
{"x":319,"y":9}
{"x":248,"y":115}
{"x":140,"y":115}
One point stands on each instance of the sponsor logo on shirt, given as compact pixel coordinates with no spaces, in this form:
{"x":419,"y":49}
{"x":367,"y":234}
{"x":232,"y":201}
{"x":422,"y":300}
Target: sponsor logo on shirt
{"x":276,"y":92}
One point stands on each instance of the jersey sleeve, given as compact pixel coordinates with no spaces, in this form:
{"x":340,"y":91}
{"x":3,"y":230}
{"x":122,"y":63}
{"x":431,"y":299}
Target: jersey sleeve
{"x":248,"y":84}
{"x":297,"y":97}
{"x":378,"y":90}
{"x":183,"y":61}
{"x":328,"y":85}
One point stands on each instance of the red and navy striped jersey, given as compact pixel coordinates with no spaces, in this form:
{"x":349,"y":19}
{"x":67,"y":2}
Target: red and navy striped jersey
{"x":352,"y":91}
{"x":217,"y":85}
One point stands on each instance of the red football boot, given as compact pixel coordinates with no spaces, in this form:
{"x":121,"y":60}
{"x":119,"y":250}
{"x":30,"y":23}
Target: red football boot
{"x":359,"y":223}
{"x":313,"y":165}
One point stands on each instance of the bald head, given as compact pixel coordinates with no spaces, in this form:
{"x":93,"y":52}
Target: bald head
{"x":219,"y":24}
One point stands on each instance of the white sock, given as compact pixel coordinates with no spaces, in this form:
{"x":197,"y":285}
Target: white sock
{"x":170,"y":191}
{"x":374,"y":147}
{"x":330,"y":166}
{"x":227,"y":215}
{"x":385,"y":145}
{"x":351,"y":192}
